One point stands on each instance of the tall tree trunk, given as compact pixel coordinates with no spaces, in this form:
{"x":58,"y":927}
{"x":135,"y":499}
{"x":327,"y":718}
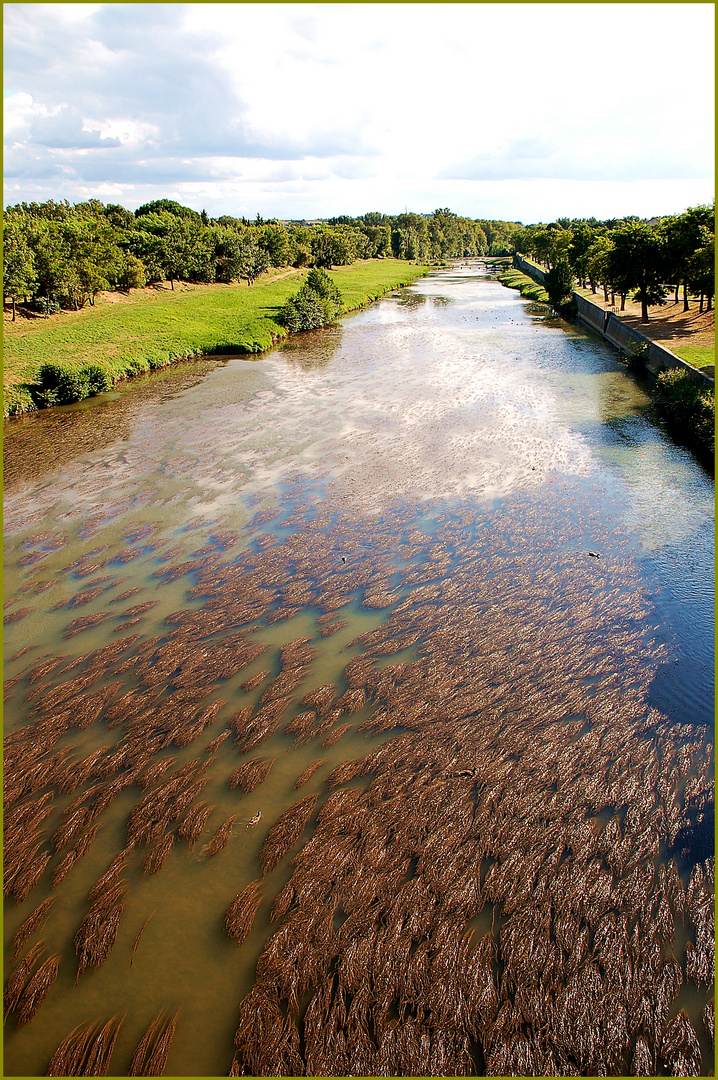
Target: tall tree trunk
{"x":613,"y":298}
{"x":675,"y":298}
{"x":644,"y":308}
{"x":700,"y":308}
{"x":685,"y":296}
{"x":709,"y":303}
{"x":605,"y":295}
{"x":13,"y":309}
{"x":623,"y":301}
{"x":172,"y":283}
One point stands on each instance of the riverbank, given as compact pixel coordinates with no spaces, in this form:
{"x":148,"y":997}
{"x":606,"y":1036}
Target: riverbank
{"x":689,"y":335}
{"x":122,"y":336}
{"x":529,"y":289}
{"x":683,"y":396}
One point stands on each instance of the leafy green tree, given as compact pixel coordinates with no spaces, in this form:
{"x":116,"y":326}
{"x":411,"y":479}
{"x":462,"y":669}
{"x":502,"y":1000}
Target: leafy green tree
{"x":582,"y":237}
{"x":168,"y":206}
{"x":19,"y":271}
{"x":132,"y":273}
{"x":332,"y":246}
{"x":253,"y":259}
{"x":559,"y":283}
{"x":701,"y":268}
{"x":276,"y":242}
{"x":637,"y":261}
{"x":598,"y":265}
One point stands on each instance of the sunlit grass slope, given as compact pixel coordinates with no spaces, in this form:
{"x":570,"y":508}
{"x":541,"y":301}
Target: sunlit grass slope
{"x":150,"y":328}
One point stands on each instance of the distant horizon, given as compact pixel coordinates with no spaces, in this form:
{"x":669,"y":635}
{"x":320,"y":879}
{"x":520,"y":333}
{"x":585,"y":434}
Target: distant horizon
{"x":500,"y":111}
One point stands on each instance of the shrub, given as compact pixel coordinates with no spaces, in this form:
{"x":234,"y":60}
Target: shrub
{"x":317,"y":303}
{"x":61,"y":385}
{"x":302,"y":313}
{"x":98,"y":380}
{"x":687,"y":407}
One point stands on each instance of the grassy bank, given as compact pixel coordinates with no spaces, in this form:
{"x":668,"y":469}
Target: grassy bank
{"x":701,"y":356}
{"x":514,"y":279}
{"x":150,"y":328}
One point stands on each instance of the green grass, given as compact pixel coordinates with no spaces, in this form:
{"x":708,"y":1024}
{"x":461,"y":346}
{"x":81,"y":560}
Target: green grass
{"x":700,"y":356}
{"x":514,"y":279}
{"x":151,"y":328}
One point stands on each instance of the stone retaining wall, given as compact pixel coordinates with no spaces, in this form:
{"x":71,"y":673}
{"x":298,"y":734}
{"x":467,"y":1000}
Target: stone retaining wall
{"x":615,"y":331}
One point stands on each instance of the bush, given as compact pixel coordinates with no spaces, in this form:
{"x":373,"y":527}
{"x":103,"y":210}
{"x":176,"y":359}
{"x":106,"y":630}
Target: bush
{"x":317,"y":303}
{"x":63,"y":385}
{"x":687,"y":406}
{"x":302,"y":313}
{"x":98,"y":380}
{"x":44,"y":306}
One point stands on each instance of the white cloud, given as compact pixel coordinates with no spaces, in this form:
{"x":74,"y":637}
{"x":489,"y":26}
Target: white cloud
{"x":379,"y":105}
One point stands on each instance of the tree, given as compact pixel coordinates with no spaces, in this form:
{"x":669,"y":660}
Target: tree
{"x":559,"y":283}
{"x":252,"y":259}
{"x":637,"y":261}
{"x":701,"y":268}
{"x":275,"y":241}
{"x":582,"y":237}
{"x":18,"y":268}
{"x":167,"y":206}
{"x":598,"y":267}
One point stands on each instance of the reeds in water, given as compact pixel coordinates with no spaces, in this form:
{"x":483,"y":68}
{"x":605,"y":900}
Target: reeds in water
{"x":31,"y":925}
{"x":191,"y":826}
{"x":87,"y":1050}
{"x":222,"y":837}
{"x":37,"y":989}
{"x":19,"y":978}
{"x":250,"y":774}
{"x":308,"y":773}
{"x":285,"y":832}
{"x":157,"y":856}
{"x":98,"y":930}
{"x":150,"y":1057}
{"x":240,"y":914}
{"x":138,"y":939}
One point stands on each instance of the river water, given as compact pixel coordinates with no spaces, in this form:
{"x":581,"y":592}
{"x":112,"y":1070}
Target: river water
{"x":470,"y":495}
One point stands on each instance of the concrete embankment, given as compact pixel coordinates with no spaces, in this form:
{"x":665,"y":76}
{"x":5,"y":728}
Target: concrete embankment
{"x":615,"y":331}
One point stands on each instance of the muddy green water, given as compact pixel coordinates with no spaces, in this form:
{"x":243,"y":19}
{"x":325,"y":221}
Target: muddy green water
{"x":446,"y":397}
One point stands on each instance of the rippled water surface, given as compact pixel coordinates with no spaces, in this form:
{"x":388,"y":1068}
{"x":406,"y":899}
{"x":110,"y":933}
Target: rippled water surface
{"x":472,"y":491}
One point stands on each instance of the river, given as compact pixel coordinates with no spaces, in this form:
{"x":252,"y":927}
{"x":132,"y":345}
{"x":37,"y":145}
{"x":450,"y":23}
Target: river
{"x":465,"y":500}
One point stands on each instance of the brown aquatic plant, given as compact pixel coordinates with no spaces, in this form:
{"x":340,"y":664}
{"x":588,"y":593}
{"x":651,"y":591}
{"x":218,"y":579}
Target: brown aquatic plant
{"x":240,"y":914}
{"x":158,"y":855}
{"x":87,"y":1050}
{"x":308,"y":773}
{"x":222,"y":837}
{"x":138,"y":938}
{"x":150,"y":1057}
{"x":19,"y":977}
{"x":250,"y":774}
{"x":285,"y":832}
{"x":37,"y":989}
{"x":32,"y":924}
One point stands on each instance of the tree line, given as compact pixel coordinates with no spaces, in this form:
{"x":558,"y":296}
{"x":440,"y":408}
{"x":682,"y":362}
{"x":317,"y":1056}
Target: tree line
{"x":61,"y":255}
{"x":644,"y":259}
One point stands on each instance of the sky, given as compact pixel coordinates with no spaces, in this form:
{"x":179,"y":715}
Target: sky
{"x":521,"y":112}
